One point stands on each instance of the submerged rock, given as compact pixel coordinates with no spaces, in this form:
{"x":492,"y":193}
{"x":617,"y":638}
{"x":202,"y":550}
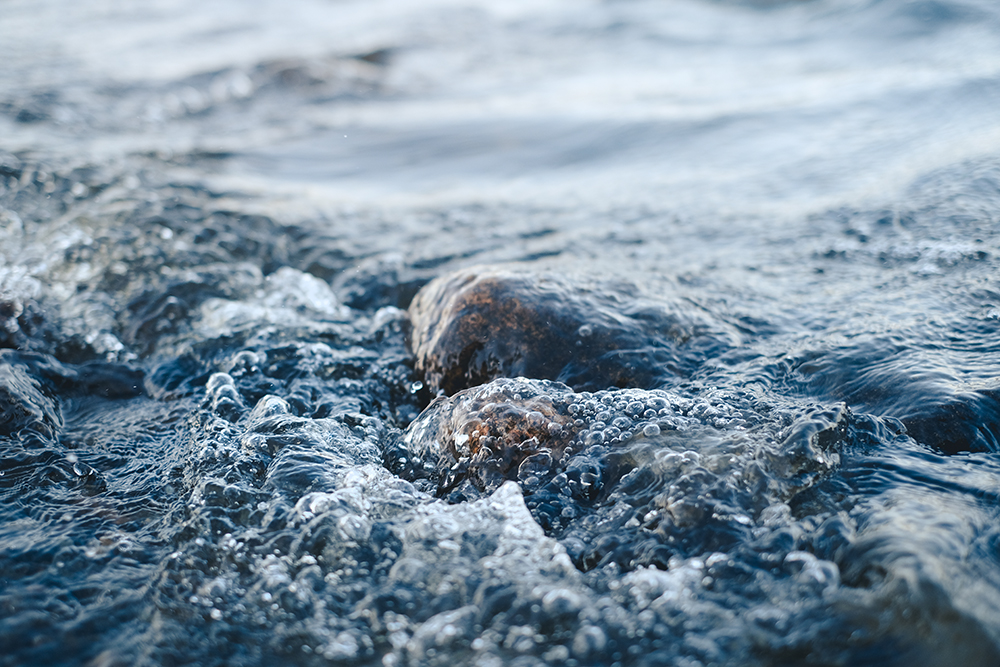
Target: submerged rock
{"x":479,"y":324}
{"x":486,"y":433}
{"x":529,"y":430}
{"x":627,"y":476}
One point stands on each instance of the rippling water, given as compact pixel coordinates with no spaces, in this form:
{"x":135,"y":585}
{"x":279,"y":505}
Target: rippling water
{"x":218,"y":447}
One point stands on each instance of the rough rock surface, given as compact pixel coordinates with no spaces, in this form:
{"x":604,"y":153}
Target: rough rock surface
{"x":478,"y":324}
{"x":486,"y":433}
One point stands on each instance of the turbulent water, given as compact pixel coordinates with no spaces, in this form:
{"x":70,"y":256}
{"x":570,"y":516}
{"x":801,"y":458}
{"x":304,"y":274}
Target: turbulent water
{"x":216,"y":446}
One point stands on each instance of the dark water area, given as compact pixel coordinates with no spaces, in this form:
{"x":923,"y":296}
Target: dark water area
{"x":614,"y":333}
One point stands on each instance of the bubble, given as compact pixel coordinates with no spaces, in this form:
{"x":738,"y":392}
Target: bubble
{"x":217,"y":380}
{"x":556,"y":655}
{"x":656,"y":403}
{"x":520,"y":639}
{"x":589,"y":640}
{"x":650,"y":430}
{"x":416,"y":386}
{"x":562,"y":602}
{"x":270,"y":406}
{"x":245,"y":362}
{"x":622,"y":423}
{"x":536,"y":419}
{"x":344,"y":647}
{"x":810,"y":570}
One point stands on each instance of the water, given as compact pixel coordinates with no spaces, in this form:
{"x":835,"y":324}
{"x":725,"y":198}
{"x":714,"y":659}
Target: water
{"x":216,"y":441}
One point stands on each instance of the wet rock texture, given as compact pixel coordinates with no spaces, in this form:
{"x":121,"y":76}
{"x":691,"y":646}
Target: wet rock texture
{"x":632,"y":477}
{"x":479,"y":324}
{"x":487,"y":433}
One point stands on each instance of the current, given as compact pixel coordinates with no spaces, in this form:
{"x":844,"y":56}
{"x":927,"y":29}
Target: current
{"x":596,"y":333}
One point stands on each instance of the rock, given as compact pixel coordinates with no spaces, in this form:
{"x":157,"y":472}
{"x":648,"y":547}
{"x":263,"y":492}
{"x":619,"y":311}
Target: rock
{"x":478,"y":324}
{"x":528,"y":430}
{"x":484,"y":434}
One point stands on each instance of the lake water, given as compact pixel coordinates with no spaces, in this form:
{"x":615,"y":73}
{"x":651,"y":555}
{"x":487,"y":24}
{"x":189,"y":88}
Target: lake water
{"x":214,"y":217}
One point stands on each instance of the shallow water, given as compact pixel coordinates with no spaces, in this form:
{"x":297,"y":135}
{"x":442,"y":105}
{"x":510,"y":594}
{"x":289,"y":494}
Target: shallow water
{"x":214,"y":218}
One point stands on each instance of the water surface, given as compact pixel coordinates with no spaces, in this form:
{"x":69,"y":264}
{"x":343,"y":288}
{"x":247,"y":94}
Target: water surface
{"x":213,"y":219}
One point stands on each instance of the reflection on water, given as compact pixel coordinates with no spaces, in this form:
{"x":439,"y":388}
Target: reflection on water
{"x":771,"y":226}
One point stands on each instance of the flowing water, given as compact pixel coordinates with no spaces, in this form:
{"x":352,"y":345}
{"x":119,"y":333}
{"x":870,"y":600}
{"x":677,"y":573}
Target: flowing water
{"x":214,"y":447}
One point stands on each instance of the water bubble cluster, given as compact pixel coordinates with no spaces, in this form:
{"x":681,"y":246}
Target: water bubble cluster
{"x":627,"y":477}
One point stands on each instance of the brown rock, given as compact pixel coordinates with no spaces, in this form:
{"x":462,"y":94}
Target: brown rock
{"x":486,"y":433}
{"x":478,"y":324}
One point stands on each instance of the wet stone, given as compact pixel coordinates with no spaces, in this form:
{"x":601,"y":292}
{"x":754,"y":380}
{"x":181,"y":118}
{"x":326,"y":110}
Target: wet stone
{"x":626,"y":477}
{"x":479,"y":324}
{"x":530,"y":430}
{"x":486,"y":433}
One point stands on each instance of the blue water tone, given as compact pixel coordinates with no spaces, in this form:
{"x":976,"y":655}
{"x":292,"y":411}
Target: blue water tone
{"x":218,"y":446}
